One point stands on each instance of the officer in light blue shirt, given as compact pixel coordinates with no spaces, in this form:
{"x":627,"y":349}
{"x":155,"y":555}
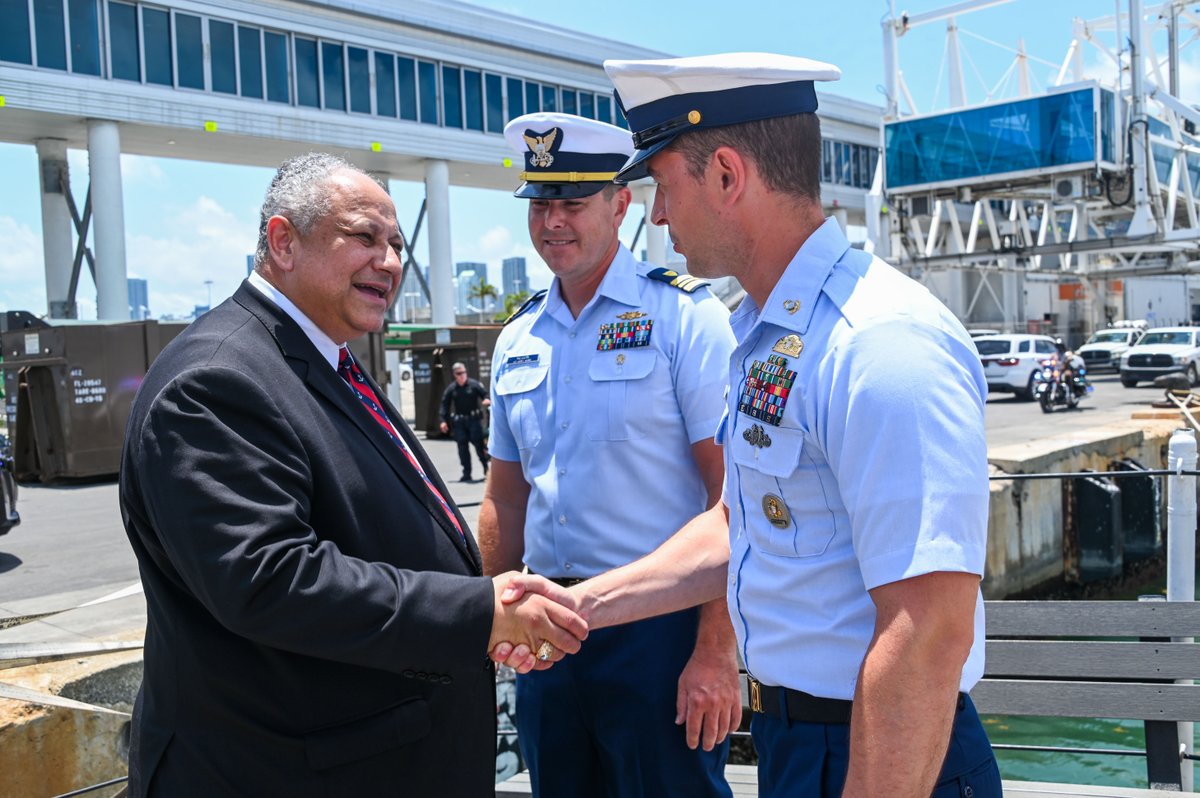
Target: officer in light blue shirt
{"x":606,"y":393}
{"x":851,"y":536}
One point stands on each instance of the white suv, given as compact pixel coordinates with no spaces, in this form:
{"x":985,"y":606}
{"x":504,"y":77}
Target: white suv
{"x":1164,"y":350}
{"x":1104,"y":349}
{"x":1009,"y":361}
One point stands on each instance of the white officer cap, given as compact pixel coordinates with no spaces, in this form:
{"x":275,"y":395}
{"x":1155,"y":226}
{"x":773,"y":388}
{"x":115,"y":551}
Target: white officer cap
{"x":664,"y":98}
{"x":566,"y":156}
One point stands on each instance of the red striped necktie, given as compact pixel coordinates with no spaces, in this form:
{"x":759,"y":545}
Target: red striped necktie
{"x":362,"y":389}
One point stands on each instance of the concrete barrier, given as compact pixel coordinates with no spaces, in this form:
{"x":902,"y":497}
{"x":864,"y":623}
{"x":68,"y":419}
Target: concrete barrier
{"x":1025,"y":525}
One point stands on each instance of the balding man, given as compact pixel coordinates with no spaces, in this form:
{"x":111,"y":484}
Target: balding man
{"x":318,"y":621}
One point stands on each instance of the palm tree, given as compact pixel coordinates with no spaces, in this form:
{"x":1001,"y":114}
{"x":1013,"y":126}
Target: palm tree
{"x":511,"y":303}
{"x":481,"y":291}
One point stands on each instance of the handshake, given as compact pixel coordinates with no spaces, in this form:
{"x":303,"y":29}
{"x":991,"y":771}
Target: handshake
{"x":535,"y":622}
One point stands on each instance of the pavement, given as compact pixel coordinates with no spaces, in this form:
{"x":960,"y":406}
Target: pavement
{"x":71,"y":548}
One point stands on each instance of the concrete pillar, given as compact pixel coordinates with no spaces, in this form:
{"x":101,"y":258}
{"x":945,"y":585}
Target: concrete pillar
{"x":58,"y":240}
{"x":843,"y":218}
{"x":1012,"y":295}
{"x":441,"y":269}
{"x":656,"y":235}
{"x":108,"y":220}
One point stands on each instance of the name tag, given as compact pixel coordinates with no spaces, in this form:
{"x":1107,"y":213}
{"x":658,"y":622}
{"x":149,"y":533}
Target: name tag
{"x":521,"y":360}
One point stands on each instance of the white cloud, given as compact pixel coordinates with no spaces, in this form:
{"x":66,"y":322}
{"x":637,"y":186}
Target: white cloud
{"x":22,"y":273}
{"x":206,"y":242}
{"x":497,"y":243}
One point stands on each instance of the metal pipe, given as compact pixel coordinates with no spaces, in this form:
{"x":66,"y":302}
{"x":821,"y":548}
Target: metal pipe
{"x":108,"y":209}
{"x":1181,"y":551}
{"x":441,"y":269}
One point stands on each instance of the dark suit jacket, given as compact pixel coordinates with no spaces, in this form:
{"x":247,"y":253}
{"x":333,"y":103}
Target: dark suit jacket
{"x":316,"y":626}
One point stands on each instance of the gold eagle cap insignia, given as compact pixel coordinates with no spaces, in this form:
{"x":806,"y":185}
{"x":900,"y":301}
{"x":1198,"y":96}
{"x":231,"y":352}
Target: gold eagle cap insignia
{"x":789,"y":345}
{"x":631,"y":315}
{"x":540,"y":147}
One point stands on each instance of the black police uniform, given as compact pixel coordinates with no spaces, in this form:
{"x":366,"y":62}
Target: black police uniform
{"x":462,"y":409}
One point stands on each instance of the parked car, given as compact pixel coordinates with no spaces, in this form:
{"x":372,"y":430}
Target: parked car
{"x":1009,"y":361}
{"x":979,"y":332}
{"x":1104,"y":349}
{"x":1163,"y":350}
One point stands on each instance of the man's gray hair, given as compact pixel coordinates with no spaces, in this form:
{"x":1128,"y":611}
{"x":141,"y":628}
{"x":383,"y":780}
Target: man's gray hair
{"x":302,"y":193}
{"x":458,"y":365}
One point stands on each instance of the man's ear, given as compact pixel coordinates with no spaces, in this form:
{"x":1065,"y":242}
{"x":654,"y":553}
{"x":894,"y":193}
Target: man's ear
{"x":622,"y":200}
{"x":282,"y":241}
{"x":728,"y":170}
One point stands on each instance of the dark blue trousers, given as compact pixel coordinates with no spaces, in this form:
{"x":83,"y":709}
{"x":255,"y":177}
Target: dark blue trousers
{"x":601,"y":723}
{"x":809,"y":760}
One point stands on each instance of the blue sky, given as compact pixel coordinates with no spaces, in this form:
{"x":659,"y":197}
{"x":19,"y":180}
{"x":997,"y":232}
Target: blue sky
{"x":188,"y":222}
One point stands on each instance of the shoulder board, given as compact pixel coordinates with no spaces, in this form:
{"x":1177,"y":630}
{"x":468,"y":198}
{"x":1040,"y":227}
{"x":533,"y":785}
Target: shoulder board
{"x":684,"y":282}
{"x":529,"y":305}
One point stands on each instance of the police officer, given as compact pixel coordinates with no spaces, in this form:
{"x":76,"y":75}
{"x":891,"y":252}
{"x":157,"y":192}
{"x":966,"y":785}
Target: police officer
{"x":851,"y":540}
{"x":606,"y":392}
{"x":463,"y":402}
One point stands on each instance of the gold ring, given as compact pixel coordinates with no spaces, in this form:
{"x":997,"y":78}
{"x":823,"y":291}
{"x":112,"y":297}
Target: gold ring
{"x":545,"y":650}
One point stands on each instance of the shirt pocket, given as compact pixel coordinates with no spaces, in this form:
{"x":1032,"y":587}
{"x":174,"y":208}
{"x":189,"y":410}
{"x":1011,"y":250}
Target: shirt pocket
{"x":619,"y":381}
{"x":523,"y":388}
{"x":775,"y":486}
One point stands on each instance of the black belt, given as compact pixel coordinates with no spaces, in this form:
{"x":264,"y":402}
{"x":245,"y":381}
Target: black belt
{"x":797,"y":705}
{"x":562,"y":581}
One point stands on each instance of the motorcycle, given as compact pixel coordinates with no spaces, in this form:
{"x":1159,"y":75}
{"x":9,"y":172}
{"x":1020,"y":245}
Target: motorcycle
{"x":1052,"y":390}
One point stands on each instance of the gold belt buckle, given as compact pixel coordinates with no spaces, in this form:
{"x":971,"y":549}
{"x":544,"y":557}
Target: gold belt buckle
{"x":755,"y":696}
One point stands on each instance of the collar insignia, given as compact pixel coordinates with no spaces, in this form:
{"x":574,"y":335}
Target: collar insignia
{"x":789,"y":345}
{"x":542,"y":147}
{"x":757,"y":436}
{"x":631,"y":315}
{"x":791,"y":305}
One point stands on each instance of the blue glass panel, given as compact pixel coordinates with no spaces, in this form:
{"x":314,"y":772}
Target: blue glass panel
{"x":1107,"y":126}
{"x":406,"y":81}
{"x":427,"y":81}
{"x":385,"y":84}
{"x":333,"y":79}
{"x":516,"y":99}
{"x":250,"y":61}
{"x":276,"y":52}
{"x":604,"y":108}
{"x":189,"y":51}
{"x":494,"y":86}
{"x":549,"y":98}
{"x":358,"y":62}
{"x":568,"y":101}
{"x":451,"y":97}
{"x":85,"y":36}
{"x":473,"y":99}
{"x":308,"y":92}
{"x":221,"y":53}
{"x":51,"y":34}
{"x":533,"y":97}
{"x":587,"y":104}
{"x":15,"y":43}
{"x":826,"y":161}
{"x":156,"y":42}
{"x":123,"y":41}
{"x":1056,"y":130}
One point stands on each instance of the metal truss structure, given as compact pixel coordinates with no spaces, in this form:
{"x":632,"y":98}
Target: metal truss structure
{"x":1136,"y":212}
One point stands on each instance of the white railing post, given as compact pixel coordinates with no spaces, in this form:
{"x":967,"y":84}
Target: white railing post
{"x":1181,"y":549}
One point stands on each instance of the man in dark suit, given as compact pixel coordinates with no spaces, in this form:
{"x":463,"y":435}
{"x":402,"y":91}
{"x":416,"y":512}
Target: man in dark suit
{"x":318,"y":622}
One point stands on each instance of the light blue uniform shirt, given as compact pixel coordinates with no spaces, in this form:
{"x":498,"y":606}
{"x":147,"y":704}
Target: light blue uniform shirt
{"x":876,"y":471}
{"x":604,"y":436}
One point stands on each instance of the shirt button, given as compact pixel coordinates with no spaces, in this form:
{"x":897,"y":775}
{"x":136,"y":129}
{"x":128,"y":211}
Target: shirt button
{"x":566,"y":424}
{"x":567,"y":566}
{"x":571,"y":335}
{"x":562,"y":472}
{"x":562,"y":519}
{"x":567,"y":378}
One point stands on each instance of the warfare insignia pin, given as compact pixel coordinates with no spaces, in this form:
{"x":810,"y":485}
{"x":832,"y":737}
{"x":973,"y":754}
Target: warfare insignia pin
{"x":757,"y":436}
{"x":791,"y":305}
{"x":776,"y":511}
{"x":789,"y":345}
{"x":766,"y":390}
{"x":631,"y":315}
{"x":624,"y":334}
{"x":541,"y":147}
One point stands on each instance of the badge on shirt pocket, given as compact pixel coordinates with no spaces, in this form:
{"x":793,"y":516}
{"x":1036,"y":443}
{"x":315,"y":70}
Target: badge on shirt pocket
{"x":766,"y":390}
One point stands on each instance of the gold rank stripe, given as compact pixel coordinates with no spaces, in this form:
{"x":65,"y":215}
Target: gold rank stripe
{"x":568,"y":177}
{"x":686,"y":282}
